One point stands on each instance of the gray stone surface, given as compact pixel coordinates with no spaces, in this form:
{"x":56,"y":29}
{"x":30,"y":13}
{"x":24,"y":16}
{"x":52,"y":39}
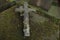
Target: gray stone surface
{"x":54,"y":11}
{"x":45,"y":4}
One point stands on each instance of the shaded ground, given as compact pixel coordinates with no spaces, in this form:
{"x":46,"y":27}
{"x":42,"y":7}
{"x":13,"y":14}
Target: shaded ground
{"x":9,"y":29}
{"x":41,"y":28}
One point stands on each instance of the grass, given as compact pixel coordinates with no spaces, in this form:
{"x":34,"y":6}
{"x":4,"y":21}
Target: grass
{"x":11,"y":28}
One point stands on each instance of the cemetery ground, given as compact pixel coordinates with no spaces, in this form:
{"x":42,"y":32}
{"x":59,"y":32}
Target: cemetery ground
{"x":42,"y":28}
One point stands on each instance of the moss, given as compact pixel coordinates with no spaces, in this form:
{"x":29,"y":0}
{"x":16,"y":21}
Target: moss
{"x":9,"y":25}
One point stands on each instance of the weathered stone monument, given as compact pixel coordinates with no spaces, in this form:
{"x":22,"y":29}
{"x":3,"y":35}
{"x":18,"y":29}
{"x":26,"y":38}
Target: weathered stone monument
{"x":45,"y":4}
{"x":26,"y":10}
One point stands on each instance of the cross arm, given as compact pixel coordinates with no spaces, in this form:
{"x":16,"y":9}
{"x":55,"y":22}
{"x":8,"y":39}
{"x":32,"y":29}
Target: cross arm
{"x":20,"y":9}
{"x":30,"y":9}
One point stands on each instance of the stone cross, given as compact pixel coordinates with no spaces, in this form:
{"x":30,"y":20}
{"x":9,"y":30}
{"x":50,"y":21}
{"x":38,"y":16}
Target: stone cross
{"x":26,"y":10}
